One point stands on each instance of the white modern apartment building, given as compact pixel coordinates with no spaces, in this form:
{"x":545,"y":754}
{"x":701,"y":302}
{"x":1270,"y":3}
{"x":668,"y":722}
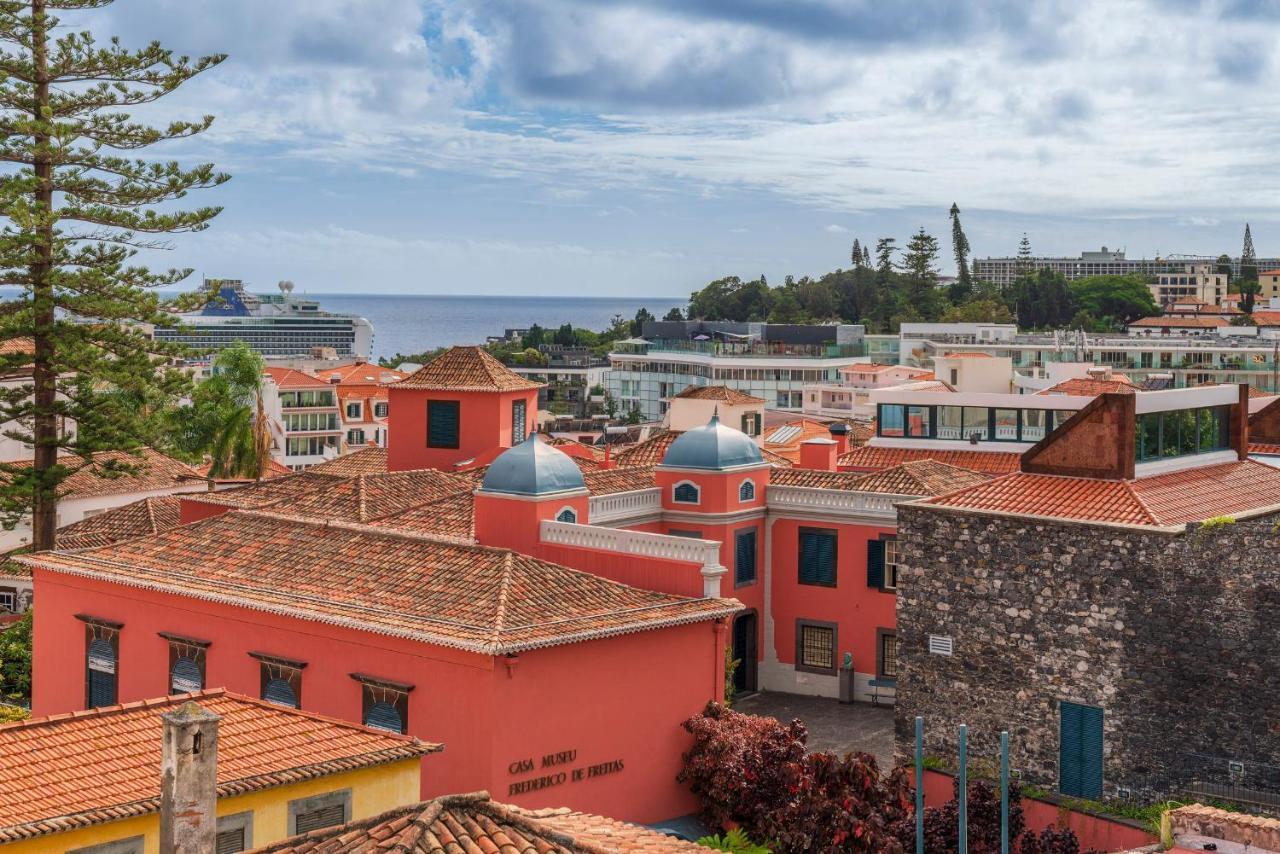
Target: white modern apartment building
{"x":770,"y":361}
{"x":1106,"y":262}
{"x":1192,"y":282}
{"x":306,"y":427}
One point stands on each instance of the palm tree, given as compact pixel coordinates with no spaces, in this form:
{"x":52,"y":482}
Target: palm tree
{"x":241,"y":444}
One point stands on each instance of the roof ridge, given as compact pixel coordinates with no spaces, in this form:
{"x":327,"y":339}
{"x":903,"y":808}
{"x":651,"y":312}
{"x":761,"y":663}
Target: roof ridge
{"x":113,"y":709}
{"x":504,"y":591}
{"x":1146,"y":509}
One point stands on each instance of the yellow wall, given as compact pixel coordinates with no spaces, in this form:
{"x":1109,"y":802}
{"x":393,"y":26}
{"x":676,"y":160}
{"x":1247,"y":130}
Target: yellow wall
{"x":373,"y":790}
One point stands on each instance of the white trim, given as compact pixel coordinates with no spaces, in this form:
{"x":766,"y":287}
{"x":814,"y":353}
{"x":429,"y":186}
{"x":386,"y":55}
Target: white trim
{"x":1152,"y":468}
{"x":836,"y":504}
{"x":948,"y":444}
{"x":615,"y":506}
{"x":1186,"y":398}
{"x":706,"y":553}
{"x":981,"y":399}
{"x":755,"y":494}
{"x":696,"y":487}
{"x":520,"y":496}
{"x":701,"y":519}
{"x":566,"y":509}
{"x":729,"y":470}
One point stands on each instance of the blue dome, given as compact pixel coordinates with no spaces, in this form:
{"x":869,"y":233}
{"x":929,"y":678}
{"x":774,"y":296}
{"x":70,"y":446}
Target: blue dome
{"x":532,"y":468}
{"x":713,"y":446}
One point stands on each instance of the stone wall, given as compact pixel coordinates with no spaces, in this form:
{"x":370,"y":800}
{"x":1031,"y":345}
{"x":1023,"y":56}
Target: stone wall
{"x":1175,"y":636}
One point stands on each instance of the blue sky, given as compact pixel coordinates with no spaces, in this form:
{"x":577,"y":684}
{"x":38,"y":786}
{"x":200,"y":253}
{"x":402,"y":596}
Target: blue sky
{"x":646,"y":147}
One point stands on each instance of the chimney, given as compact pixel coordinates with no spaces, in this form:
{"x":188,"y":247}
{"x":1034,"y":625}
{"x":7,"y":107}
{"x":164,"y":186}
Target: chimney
{"x":840,"y":435}
{"x":818,"y":454}
{"x":188,"y":781}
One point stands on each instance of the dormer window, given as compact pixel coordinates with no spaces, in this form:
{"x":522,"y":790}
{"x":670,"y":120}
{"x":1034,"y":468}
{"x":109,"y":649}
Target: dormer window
{"x":685,"y":492}
{"x":353,"y":411}
{"x":747,"y":492}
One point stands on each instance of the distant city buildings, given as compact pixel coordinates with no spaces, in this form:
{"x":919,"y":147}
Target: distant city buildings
{"x":1105,"y":262}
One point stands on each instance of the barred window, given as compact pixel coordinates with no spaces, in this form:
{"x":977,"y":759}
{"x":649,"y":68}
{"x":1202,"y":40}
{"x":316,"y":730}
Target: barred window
{"x":816,"y":647}
{"x":888,"y":663}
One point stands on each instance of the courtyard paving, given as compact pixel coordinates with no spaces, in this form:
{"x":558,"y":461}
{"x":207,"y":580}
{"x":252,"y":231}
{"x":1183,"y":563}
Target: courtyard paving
{"x":832,"y":725}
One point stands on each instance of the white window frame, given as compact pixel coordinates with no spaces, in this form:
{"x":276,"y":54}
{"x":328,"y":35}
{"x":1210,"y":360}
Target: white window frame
{"x":569,"y":510}
{"x":697,"y":490}
{"x":359,"y":413}
{"x":890,"y":563}
{"x":754,"y":493}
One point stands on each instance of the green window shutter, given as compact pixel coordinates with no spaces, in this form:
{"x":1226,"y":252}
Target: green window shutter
{"x":817,"y":557}
{"x":1080,"y":751}
{"x":442,"y":424}
{"x":517,"y":422}
{"x":745,"y":557}
{"x":686,"y":493}
{"x":875,"y":564}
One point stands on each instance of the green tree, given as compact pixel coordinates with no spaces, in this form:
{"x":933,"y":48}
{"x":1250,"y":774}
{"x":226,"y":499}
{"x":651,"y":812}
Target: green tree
{"x":1043,"y":299}
{"x":1118,"y":299}
{"x":77,"y":209}
{"x":963,"y":288}
{"x":642,"y":317}
{"x":1025,"y":264}
{"x":884,"y":259}
{"x":1249,"y":287}
{"x":242,"y":440}
{"x":564,"y":335}
{"x":856,"y":255}
{"x":785,"y":306}
{"x":920,"y":275}
{"x":15,"y":661}
{"x":673,"y":314}
{"x":634,"y":415}
{"x":978,"y":311}
{"x":1223,"y":266}
{"x":534,"y":337}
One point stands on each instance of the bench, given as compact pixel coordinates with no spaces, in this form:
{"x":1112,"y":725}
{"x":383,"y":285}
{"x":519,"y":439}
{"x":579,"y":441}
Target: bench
{"x":881,"y":684}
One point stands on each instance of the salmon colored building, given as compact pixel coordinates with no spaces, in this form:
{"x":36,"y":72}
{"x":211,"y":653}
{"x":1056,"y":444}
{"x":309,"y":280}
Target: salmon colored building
{"x":550,"y":619}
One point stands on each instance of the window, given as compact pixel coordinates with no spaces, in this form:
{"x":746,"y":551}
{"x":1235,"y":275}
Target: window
{"x":319,"y":811}
{"x":744,"y":550}
{"x":747,"y":492}
{"x":384,"y":704}
{"x":1080,"y":750}
{"x":234,"y":834}
{"x":882,"y":563}
{"x":186,"y":663}
{"x":568,"y":514}
{"x":685,"y":493}
{"x":380,"y":410}
{"x":8,"y":599}
{"x":816,"y":647}
{"x":355,"y":437}
{"x":919,"y":422}
{"x":442,"y":423}
{"x":280,"y":679}
{"x":751,"y":423}
{"x":353,"y":411}
{"x":1006,"y":424}
{"x":518,"y":428}
{"x":1182,"y":432}
{"x":955,"y":375}
{"x":693,"y":535}
{"x":891,"y":419}
{"x":102,"y":650}
{"x":886,"y":654}
{"x":817,"y":562}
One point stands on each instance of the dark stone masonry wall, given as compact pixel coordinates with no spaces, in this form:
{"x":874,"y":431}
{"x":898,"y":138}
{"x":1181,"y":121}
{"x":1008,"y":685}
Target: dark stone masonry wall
{"x":1175,"y":636}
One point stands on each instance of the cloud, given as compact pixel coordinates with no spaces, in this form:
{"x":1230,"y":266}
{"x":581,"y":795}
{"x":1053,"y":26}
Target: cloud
{"x":836,"y":229}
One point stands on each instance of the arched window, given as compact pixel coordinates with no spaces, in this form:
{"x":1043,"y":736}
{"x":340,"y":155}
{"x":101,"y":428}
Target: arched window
{"x":185,"y":677}
{"x":281,"y":692}
{"x":384,"y":716}
{"x":568,"y":514}
{"x":747,"y":492}
{"x":685,"y":493}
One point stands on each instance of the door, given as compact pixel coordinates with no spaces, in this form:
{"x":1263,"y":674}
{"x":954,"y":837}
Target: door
{"x":744,"y":652}
{"x":1080,"y":751}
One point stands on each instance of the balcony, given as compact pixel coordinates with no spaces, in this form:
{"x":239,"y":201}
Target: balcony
{"x":871,"y":506}
{"x":621,"y":506}
{"x":700,"y":574}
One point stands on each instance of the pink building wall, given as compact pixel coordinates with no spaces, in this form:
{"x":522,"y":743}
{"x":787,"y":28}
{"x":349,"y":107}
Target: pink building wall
{"x":622,"y":697}
{"x":484,"y":424}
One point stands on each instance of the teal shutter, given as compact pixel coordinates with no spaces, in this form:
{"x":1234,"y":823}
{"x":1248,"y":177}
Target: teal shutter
{"x":442,"y":424}
{"x":817,"y":557}
{"x":875,"y":564}
{"x":102,"y":674}
{"x":384,"y":716}
{"x":745,"y":557}
{"x":185,"y":677}
{"x":686,"y":493}
{"x":517,"y":422}
{"x":1080,"y":751}
{"x":278,"y":691}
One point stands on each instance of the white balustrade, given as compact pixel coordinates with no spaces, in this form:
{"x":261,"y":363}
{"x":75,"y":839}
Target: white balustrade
{"x":624,"y":505}
{"x":663,"y":546}
{"x":836,"y":502}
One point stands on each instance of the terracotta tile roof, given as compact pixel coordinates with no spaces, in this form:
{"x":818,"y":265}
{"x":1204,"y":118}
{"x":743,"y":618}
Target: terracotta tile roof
{"x":473,"y":823}
{"x":371,"y":496}
{"x":875,"y":458}
{"x":1191,"y":495}
{"x":268,"y":493}
{"x":362,"y":374}
{"x":1264,"y":448}
{"x":118,"y":472}
{"x":452,"y":517}
{"x":288,"y":378}
{"x":1181,"y":322}
{"x":1090,"y":387}
{"x":651,"y":451}
{"x":14,"y":346}
{"x":274,"y":469}
{"x":920,"y":477}
{"x":793,"y":434}
{"x":85,"y":768}
{"x":466,"y":369}
{"x":1266,"y":318}
{"x":606,"y":481}
{"x":721,"y":393}
{"x":139,"y":519}
{"x":573,"y":447}
{"x":483,"y":600}
{"x":369,"y":460}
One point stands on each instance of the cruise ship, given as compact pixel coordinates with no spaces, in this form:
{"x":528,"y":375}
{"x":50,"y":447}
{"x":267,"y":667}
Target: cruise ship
{"x":276,"y":325}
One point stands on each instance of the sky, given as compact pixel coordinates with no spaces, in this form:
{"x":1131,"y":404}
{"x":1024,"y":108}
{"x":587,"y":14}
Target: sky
{"x":646,"y":147}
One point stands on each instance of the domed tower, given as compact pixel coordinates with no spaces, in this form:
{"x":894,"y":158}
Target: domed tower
{"x":523,"y":486}
{"x":713,"y":481}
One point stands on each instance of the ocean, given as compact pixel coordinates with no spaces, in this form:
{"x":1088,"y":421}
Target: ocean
{"x":408,"y":324}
